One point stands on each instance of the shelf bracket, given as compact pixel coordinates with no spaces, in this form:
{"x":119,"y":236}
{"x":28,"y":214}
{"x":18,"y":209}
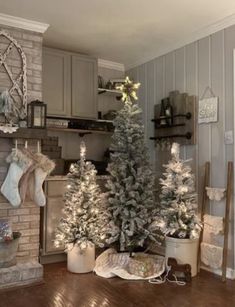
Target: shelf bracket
{"x":82,"y":134}
{"x":187,"y":135}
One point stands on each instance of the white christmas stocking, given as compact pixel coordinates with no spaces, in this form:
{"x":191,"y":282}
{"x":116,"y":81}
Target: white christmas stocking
{"x":19,"y":163}
{"x":45,"y":167}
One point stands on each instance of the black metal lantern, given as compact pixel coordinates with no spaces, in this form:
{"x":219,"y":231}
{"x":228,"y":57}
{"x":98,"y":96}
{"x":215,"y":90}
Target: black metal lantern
{"x":37,"y":112}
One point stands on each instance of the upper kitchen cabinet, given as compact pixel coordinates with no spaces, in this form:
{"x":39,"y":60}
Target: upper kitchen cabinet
{"x":84,"y":87}
{"x":69,"y":84}
{"x":57,"y":82}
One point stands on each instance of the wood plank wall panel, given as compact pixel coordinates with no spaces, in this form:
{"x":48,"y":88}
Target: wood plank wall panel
{"x":180,"y":76}
{"x":229,"y":45}
{"x":191,"y":86}
{"x":204,"y":131}
{"x":207,"y":62}
{"x":169,"y":72}
{"x":160,"y":157}
{"x":217,"y":130}
{"x":150,"y":106}
{"x":143,"y":94}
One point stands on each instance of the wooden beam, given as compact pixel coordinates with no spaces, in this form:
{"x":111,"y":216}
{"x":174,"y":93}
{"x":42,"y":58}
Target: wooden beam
{"x":205,"y":201}
{"x":226,"y":218}
{"x":25,"y":133}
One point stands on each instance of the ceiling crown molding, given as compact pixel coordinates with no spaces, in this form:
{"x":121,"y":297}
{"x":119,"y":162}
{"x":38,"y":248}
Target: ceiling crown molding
{"x":26,"y":24}
{"x":195,"y":36}
{"x":111,"y":65}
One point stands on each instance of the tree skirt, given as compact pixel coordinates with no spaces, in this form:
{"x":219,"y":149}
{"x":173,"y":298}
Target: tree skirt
{"x":111,"y":263}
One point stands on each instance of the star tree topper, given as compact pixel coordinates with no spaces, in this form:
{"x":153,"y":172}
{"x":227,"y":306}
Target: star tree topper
{"x":128,"y":89}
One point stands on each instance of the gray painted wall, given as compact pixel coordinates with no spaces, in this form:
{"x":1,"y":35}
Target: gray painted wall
{"x":207,"y":62}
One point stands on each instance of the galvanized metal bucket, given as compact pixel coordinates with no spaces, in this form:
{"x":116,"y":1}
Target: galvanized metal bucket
{"x":8,"y":251}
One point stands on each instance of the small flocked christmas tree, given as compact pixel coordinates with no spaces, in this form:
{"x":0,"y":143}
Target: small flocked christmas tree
{"x":84,"y":213}
{"x":131,"y":183}
{"x":178,"y":200}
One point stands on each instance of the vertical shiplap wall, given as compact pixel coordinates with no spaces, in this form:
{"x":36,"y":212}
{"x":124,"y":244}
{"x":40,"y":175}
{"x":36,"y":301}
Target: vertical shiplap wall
{"x":207,"y":62}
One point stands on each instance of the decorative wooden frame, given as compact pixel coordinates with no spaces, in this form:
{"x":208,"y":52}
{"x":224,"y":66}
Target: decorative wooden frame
{"x":22,"y":76}
{"x":205,"y":203}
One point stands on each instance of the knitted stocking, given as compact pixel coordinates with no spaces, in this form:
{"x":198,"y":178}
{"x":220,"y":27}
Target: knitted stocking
{"x":19,"y":163}
{"x":44,"y":168}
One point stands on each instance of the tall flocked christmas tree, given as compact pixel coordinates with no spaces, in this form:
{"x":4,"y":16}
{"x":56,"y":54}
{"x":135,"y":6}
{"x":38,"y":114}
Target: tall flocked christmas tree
{"x":131,"y":183}
{"x":178,"y":200}
{"x":84,"y":213}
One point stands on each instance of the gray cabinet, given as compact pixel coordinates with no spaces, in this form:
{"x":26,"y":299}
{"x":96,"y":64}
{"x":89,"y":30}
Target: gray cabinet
{"x":84,"y":87}
{"x":57,"y":82}
{"x":69,"y":84}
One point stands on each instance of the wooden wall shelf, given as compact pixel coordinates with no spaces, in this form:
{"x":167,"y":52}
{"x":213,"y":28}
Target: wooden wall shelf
{"x":183,"y":129}
{"x":116,"y":93}
{"x":167,"y":127}
{"x":25,"y":133}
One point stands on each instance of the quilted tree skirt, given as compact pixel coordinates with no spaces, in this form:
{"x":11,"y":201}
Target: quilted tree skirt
{"x":111,"y":263}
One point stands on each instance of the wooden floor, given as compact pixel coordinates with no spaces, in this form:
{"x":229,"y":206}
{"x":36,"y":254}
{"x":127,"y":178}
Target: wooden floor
{"x":64,"y":289}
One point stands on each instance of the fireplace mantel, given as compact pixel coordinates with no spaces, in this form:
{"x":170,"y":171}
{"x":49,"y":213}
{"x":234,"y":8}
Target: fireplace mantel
{"x":25,"y":133}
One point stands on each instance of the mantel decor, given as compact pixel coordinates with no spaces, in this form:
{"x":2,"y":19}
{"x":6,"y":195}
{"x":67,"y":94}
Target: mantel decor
{"x":37,"y":112}
{"x":13,"y":102}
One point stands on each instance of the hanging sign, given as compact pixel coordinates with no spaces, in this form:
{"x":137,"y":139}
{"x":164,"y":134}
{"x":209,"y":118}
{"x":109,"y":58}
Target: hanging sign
{"x":208,"y":108}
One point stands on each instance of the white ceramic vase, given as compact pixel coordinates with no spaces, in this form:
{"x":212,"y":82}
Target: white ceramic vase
{"x":81,"y":261}
{"x":184,"y":251}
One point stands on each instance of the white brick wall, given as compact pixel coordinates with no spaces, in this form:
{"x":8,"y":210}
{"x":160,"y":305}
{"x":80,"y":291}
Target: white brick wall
{"x":25,"y":218}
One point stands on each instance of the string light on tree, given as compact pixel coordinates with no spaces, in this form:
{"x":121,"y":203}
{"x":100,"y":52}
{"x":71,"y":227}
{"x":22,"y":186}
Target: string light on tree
{"x":85,"y":216}
{"x":178,"y":200}
{"x":131,"y":184}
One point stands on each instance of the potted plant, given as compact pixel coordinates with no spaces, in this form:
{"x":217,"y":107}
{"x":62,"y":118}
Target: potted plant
{"x":177,"y":219}
{"x":9,"y":242}
{"x":80,"y":229}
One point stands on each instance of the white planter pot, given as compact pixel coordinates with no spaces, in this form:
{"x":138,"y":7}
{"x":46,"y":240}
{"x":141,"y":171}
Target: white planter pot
{"x":184,"y":251}
{"x":81,"y":261}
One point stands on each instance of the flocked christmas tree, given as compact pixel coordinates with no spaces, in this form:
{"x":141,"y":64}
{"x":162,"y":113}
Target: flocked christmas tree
{"x":131,"y":183}
{"x":84,"y":213}
{"x":178,"y":200}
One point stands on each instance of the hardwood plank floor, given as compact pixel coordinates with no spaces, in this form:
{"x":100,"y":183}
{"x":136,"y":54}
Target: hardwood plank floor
{"x":64,"y":289}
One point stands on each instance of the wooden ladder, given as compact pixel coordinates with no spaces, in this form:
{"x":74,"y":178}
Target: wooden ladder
{"x":205,"y":202}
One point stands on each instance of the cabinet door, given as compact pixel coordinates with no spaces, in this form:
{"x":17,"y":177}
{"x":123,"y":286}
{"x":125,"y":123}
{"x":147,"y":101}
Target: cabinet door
{"x":51,"y":215}
{"x":84,"y":87}
{"x":57,"y":82}
{"x":52,"y":218}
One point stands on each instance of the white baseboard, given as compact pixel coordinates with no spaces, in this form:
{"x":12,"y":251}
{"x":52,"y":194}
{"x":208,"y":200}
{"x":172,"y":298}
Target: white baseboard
{"x":230,"y":273}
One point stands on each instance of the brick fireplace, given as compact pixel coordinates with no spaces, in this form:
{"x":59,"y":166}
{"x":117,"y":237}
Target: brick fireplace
{"x":26,"y":218}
